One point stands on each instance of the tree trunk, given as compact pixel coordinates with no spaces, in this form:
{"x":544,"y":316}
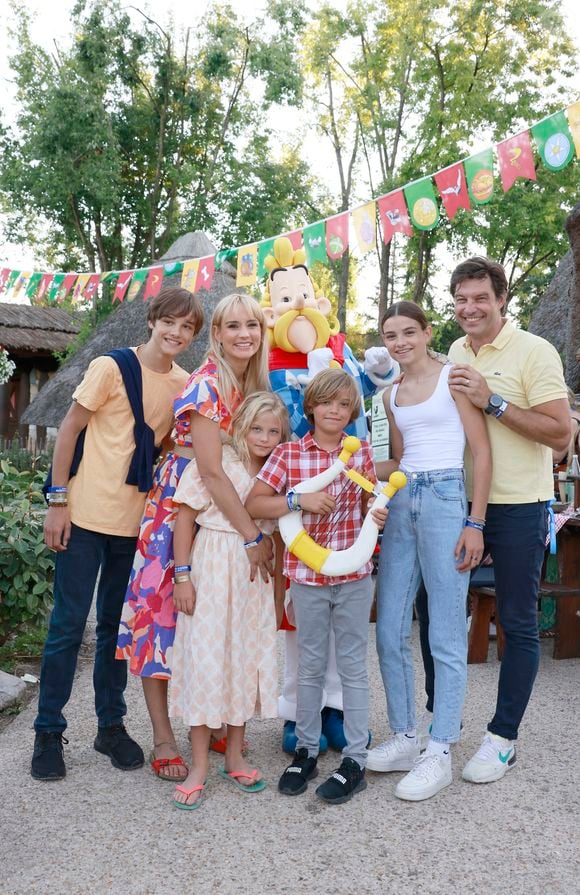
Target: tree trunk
{"x":343,"y":290}
{"x":385,"y":269}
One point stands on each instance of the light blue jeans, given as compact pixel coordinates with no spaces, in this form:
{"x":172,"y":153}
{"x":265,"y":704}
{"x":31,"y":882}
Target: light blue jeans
{"x":424,"y":524}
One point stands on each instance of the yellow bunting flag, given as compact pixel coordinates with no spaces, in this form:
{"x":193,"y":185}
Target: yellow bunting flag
{"x":80,"y":286}
{"x":247,"y":265}
{"x":365,"y":226}
{"x":21,"y":282}
{"x":189,"y":274}
{"x":573,"y":113}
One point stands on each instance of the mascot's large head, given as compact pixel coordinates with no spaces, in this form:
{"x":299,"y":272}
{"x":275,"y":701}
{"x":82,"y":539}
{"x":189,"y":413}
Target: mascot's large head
{"x":298,"y":317}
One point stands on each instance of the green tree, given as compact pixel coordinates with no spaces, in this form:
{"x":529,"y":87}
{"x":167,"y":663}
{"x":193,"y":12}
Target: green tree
{"x":431,"y":78}
{"x":127,"y":137}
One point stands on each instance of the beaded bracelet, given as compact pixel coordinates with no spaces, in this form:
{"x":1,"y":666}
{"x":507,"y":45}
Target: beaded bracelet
{"x":255,"y":542}
{"x":469,"y":523}
{"x":179,"y":569}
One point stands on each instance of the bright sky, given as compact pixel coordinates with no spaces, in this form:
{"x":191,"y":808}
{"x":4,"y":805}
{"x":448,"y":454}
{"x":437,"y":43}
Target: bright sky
{"x":52,"y":24}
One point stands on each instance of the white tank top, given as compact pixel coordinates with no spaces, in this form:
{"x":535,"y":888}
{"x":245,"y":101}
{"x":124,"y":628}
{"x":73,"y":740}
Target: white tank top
{"x":433,"y":435}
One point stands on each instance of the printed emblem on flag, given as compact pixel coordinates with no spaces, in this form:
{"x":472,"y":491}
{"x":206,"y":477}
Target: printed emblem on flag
{"x":557,"y":150}
{"x":425,"y":212}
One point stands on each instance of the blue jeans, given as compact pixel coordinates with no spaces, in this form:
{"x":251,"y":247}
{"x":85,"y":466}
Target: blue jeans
{"x":344,"y":607}
{"x":75,"y":577}
{"x":514,"y":535}
{"x":425,"y":522}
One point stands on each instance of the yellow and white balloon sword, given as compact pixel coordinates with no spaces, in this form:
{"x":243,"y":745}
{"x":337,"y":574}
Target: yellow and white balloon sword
{"x":338,"y":562}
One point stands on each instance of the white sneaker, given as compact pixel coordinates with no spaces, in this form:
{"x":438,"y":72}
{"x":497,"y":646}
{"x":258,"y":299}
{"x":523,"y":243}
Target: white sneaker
{"x":494,"y":757}
{"x":424,"y":725}
{"x":431,"y":773}
{"x":396,"y":754}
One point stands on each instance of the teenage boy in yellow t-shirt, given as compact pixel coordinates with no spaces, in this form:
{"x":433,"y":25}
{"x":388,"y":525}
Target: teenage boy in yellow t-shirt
{"x":92,"y":523}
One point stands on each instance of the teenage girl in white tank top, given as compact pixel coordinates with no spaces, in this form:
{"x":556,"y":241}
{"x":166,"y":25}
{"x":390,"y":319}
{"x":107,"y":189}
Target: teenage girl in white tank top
{"x":428,"y":535}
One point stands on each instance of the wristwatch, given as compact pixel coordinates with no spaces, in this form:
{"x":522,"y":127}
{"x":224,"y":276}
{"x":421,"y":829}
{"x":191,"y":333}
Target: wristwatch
{"x":496,"y":406}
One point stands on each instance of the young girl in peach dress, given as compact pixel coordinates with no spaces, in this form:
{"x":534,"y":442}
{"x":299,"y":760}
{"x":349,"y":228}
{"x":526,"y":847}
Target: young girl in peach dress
{"x":224,"y":658}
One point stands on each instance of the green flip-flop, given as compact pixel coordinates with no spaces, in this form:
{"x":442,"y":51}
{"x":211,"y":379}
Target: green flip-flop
{"x":183,"y":806}
{"x":232,"y":776}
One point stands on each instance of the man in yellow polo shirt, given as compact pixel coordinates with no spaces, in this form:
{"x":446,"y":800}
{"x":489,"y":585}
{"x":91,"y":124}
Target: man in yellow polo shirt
{"x":516,"y":379}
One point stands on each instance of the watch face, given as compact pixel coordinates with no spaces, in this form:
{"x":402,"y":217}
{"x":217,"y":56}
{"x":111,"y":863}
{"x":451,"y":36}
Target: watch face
{"x":495,"y":401}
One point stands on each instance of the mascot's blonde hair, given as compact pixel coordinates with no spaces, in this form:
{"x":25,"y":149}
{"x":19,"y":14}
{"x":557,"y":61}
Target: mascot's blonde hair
{"x":285,"y":255}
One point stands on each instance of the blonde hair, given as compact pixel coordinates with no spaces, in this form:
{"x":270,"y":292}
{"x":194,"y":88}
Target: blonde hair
{"x":248,"y":411}
{"x":256,"y":376}
{"x":326,"y":386}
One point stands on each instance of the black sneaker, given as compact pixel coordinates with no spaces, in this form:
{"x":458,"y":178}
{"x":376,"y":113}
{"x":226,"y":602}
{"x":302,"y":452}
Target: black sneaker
{"x":47,"y":758}
{"x":295,"y":778}
{"x":124,"y":752}
{"x":348,"y":779}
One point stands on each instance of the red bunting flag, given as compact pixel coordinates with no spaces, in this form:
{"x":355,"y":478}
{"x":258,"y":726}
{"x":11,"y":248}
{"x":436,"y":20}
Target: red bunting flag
{"x":295,"y":238}
{"x":337,"y":236}
{"x":43,"y":287}
{"x":394,"y":215}
{"x":91,"y":286}
{"x":122,"y":284}
{"x":66,"y":286}
{"x":205,"y":273}
{"x":452,"y":187}
{"x":153,"y":283}
{"x":515,"y":159}
{"x":4,"y":274}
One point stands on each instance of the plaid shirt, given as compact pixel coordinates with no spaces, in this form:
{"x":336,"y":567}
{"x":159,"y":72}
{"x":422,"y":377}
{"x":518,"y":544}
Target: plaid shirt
{"x":295,"y":461}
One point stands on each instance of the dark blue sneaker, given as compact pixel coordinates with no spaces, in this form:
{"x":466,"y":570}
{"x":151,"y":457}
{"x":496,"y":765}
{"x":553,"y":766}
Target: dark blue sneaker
{"x":290,"y":740}
{"x":347,"y":780}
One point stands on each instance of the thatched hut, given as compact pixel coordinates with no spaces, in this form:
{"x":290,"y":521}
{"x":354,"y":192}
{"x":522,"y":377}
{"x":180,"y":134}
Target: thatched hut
{"x":127,"y":326}
{"x":557,"y":317}
{"x":31,"y":336}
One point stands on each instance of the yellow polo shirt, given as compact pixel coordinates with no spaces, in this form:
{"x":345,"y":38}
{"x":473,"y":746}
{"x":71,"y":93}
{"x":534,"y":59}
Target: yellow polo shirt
{"x":99,"y":498}
{"x":525,"y":370}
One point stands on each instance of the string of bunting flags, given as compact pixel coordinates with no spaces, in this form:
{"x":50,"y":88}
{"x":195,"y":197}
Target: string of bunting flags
{"x":462,"y":185}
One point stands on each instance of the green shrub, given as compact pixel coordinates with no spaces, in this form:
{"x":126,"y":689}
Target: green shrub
{"x":26,"y":564}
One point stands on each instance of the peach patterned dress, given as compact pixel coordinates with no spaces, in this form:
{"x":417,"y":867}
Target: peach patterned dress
{"x":224,"y":655}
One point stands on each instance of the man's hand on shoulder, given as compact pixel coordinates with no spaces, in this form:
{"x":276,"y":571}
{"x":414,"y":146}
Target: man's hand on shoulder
{"x":465,"y":379}
{"x":57,"y":528}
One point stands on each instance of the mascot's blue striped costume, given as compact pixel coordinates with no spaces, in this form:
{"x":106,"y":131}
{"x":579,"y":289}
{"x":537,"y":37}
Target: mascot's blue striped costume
{"x":304,"y":339}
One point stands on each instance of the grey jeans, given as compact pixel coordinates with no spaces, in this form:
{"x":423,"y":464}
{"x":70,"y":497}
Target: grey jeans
{"x":346,"y":608}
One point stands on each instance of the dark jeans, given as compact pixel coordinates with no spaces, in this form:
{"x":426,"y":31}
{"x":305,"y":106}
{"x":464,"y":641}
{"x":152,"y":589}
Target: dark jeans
{"x":514,"y":535}
{"x":76,"y":572}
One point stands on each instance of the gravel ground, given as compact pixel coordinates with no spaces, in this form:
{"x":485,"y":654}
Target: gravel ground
{"x":106,"y":831}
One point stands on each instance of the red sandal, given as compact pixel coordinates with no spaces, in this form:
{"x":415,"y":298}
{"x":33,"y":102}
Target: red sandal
{"x":158,"y":765}
{"x":221,"y":746}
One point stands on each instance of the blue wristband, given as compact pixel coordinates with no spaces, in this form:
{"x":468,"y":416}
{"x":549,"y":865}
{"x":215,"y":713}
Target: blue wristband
{"x":469,"y":523}
{"x":57,"y":489}
{"x":179,"y":569}
{"x":255,"y":542}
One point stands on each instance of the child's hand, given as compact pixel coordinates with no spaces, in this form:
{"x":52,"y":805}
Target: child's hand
{"x":320,"y":503}
{"x":380,"y":517}
{"x":184,"y":597}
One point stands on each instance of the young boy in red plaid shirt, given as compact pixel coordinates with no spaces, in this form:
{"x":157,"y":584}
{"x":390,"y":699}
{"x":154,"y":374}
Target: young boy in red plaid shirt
{"x":331,"y":402}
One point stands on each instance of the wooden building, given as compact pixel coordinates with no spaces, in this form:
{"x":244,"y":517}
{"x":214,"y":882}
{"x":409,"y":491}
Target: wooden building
{"x":31,"y":336}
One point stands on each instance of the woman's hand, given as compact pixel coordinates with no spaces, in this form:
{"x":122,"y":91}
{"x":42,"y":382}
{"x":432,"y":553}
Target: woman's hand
{"x":470,"y":541}
{"x":261,"y":558}
{"x":184,"y":597}
{"x":320,"y":503}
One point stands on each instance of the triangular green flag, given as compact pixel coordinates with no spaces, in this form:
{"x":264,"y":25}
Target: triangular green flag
{"x":315,"y":243}
{"x":172,"y":267}
{"x":137,"y":280}
{"x":12,"y":277}
{"x":33,"y":284}
{"x":264,"y":249}
{"x":554,"y":141}
{"x":54,"y":287}
{"x":479,"y":176}
{"x":230,"y":255}
{"x":422,"y":203}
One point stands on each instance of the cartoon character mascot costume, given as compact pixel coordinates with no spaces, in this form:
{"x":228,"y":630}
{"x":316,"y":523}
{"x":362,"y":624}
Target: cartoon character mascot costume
{"x":305,"y":339}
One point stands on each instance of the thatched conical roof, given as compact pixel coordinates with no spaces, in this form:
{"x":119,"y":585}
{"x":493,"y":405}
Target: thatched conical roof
{"x":557,"y":317}
{"x":128,"y":326}
{"x":37,"y":330}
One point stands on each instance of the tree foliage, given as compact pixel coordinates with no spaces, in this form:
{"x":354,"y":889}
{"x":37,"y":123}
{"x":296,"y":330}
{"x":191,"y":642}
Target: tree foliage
{"x":129,"y":137}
